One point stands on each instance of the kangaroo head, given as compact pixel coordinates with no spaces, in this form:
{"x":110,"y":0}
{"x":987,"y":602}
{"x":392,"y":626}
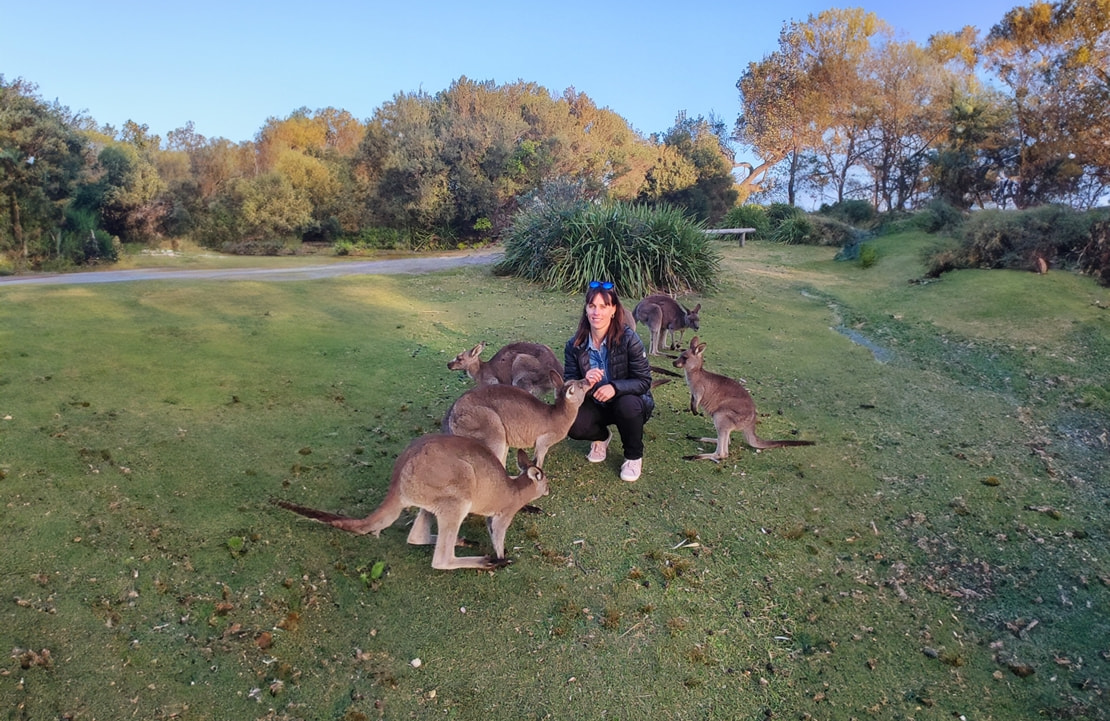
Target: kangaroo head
{"x":692,"y":320}
{"x":534,"y":473}
{"x":466,"y":359}
{"x":572,"y":393}
{"x":692,"y":356}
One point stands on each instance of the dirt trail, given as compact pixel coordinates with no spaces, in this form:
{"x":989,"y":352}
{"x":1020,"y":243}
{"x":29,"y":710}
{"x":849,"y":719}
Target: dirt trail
{"x":427,"y":264}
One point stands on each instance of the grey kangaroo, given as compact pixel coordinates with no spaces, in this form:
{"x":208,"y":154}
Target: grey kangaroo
{"x":447,"y":477}
{"x":504,"y":417}
{"x":663,"y":315}
{"x":524,"y":365}
{"x":726,"y":401}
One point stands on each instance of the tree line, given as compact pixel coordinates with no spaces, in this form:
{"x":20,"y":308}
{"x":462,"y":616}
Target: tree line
{"x":441,"y":168}
{"x":841,"y":111}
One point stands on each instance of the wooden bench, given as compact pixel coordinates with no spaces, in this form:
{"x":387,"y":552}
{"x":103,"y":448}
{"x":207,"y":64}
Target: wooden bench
{"x":742,"y":232}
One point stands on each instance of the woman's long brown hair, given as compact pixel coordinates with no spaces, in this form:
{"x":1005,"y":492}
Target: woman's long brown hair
{"x":615,"y":334}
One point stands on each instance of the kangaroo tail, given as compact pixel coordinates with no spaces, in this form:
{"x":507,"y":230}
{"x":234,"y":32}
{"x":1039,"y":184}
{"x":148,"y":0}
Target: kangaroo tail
{"x":370,"y":524}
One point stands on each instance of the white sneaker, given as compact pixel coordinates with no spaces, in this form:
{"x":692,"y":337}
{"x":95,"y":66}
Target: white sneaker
{"x":598,"y":449}
{"x":630,"y":470}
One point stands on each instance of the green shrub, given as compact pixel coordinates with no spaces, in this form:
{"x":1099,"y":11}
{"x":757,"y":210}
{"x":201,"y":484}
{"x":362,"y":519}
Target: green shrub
{"x":748,"y":216}
{"x":939,"y":216}
{"x":374,"y":238}
{"x":1010,"y":239}
{"x":777,"y":213}
{"x":795,"y":230}
{"x":257,"y":247}
{"x":830,"y":231}
{"x":868,"y":256}
{"x":1094,"y":257}
{"x":1015,"y":239}
{"x":640,"y":248}
{"x":896,"y":221}
{"x":322,"y":231}
{"x":859,"y":213}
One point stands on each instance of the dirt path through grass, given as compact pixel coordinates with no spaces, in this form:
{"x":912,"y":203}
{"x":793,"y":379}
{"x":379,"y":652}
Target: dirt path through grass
{"x":423,"y":264}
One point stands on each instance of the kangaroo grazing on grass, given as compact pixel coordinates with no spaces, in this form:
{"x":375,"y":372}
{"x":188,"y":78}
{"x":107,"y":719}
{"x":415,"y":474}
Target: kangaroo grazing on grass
{"x":504,"y":417}
{"x":663,"y":315}
{"x":724,"y":400}
{"x":447,"y":477}
{"x":524,"y":365}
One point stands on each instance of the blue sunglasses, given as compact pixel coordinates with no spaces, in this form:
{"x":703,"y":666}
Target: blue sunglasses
{"x":598,"y":284}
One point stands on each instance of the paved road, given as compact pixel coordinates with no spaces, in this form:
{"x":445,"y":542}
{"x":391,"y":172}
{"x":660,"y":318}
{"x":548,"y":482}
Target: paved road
{"x":308,"y":272}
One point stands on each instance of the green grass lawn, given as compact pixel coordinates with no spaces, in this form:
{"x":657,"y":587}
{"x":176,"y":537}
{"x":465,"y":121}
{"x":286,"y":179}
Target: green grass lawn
{"x":939,"y":553}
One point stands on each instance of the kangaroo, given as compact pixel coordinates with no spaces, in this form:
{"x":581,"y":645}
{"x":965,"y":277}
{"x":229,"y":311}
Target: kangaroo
{"x":663,"y":315}
{"x":726,"y":401}
{"x":524,"y":365}
{"x":447,"y":477}
{"x":627,"y":318}
{"x":504,"y":417}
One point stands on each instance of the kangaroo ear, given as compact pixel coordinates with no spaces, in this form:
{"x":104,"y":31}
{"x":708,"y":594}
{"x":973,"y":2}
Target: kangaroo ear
{"x":477,"y":350}
{"x":696,"y":308}
{"x":535,"y":474}
{"x":693,"y":342}
{"x":556,"y":378}
{"x":522,"y":459}
{"x":700,"y":349}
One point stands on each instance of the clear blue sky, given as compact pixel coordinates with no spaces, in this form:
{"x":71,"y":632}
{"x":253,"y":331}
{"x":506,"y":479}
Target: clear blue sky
{"x":228,"y":66}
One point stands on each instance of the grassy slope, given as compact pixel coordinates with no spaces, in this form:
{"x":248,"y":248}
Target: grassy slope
{"x":945,"y":535}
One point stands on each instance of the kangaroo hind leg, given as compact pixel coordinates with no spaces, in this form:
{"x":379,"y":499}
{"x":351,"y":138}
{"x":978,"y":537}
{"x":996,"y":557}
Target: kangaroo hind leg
{"x":444,"y":557}
{"x":719,"y":453}
{"x":421,"y":532}
{"x":497,"y":526}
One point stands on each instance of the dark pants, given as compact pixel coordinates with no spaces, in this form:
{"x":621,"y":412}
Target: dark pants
{"x":627,"y":413}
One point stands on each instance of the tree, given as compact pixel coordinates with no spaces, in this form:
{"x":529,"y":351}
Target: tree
{"x":314,"y":151}
{"x":775,"y":118}
{"x":399,"y":162}
{"x":703,"y":184}
{"x":604,"y":152}
{"x":271,"y":208}
{"x":965,"y":165}
{"x":480,"y":131}
{"x":1054,"y":57}
{"x":41,"y":160}
{"x":912,"y":87}
{"x":131,"y":191}
{"x":839,"y":51}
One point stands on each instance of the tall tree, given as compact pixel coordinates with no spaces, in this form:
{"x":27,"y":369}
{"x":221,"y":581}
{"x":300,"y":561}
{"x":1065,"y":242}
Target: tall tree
{"x":908,"y":120}
{"x":605,"y":153}
{"x":132,"y":201}
{"x":965,"y":165}
{"x":777,"y":104}
{"x":1053,"y":57}
{"x":703,"y":144}
{"x":42,"y":159}
{"x":399,"y":162}
{"x":838,"y":51}
{"x":480,"y":129}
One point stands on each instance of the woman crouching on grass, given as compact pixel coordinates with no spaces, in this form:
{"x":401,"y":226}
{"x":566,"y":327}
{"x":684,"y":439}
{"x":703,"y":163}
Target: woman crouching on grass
{"x":610,"y":355}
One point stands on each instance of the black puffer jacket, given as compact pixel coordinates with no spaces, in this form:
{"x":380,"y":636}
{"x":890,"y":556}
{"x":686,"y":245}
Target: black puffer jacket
{"x":629,"y":369}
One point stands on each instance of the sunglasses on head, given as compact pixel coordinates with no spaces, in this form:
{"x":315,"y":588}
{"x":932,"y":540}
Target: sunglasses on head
{"x":598,"y":284}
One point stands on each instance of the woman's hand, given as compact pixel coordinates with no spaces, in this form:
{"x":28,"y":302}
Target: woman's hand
{"x":605,"y":393}
{"x":594,"y":375}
